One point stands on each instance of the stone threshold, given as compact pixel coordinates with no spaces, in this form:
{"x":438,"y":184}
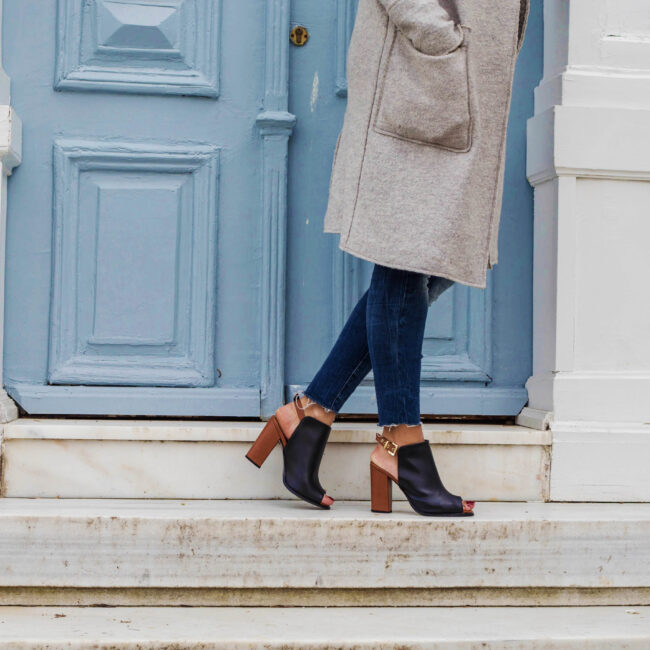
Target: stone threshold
{"x":246,"y":431}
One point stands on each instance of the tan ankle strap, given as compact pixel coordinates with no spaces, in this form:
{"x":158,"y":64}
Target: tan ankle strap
{"x":390,"y":446}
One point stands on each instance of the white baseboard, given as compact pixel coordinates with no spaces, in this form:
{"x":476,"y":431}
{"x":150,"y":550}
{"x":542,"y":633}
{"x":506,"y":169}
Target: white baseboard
{"x":600,"y":461}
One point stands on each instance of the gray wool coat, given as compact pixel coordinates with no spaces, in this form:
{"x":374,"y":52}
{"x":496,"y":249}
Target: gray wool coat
{"x":417,"y":175}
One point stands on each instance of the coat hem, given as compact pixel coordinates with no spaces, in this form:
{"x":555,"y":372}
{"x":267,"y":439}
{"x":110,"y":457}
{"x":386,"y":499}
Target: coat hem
{"x":406,"y":267}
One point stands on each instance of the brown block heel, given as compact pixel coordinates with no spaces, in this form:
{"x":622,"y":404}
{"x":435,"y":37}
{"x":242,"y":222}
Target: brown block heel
{"x":270,"y":435}
{"x":381,"y":490}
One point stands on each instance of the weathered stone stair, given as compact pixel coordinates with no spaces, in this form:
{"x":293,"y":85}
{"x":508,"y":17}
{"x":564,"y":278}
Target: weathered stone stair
{"x":276,"y":573}
{"x":278,"y":544}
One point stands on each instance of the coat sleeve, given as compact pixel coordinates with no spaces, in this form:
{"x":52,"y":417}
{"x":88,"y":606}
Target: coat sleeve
{"x":426,"y":24}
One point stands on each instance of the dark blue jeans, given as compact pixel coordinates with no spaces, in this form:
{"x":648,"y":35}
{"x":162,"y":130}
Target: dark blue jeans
{"x":384,"y":333}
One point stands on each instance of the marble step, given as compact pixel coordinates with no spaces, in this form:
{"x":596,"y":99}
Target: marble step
{"x":310,"y":628}
{"x":205,"y":460}
{"x":114,"y":543}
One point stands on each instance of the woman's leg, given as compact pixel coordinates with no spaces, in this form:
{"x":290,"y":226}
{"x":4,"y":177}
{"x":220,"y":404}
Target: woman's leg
{"x":396,"y":316}
{"x":345,"y":366}
{"x":384,"y":333}
{"x":349,"y":360}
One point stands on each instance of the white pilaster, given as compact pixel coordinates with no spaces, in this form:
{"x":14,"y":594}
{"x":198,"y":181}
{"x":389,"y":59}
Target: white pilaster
{"x":10,"y":152}
{"x":589,"y":161}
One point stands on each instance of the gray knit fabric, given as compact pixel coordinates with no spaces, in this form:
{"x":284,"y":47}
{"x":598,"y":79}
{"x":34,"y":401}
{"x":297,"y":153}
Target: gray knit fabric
{"x":417,"y":176}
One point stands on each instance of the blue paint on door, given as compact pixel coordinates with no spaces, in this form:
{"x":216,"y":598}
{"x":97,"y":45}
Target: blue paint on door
{"x":147,"y":223}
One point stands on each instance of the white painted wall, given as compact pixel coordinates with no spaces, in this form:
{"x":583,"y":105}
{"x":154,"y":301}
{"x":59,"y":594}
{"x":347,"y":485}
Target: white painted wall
{"x":589,"y":161}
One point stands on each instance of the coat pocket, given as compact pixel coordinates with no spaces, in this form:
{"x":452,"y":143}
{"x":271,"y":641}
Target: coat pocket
{"x":425,"y":98}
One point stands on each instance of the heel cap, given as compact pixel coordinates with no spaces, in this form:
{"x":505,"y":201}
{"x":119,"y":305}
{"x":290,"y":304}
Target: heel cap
{"x":252,"y":461}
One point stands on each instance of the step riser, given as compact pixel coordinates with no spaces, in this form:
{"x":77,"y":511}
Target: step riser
{"x":307,"y":628}
{"x":218,"y":469}
{"x":237,"y":544}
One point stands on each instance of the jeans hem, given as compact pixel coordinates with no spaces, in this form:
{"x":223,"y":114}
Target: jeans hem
{"x":390,"y":426}
{"x":313,"y":401}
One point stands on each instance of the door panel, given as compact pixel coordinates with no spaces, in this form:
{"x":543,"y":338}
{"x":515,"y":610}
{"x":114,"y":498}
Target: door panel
{"x":134,"y":264}
{"x":135,"y":218}
{"x":139,"y":46}
{"x":477,"y":347}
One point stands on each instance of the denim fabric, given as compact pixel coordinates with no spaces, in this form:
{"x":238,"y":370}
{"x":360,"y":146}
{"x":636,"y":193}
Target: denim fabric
{"x":384,"y":333}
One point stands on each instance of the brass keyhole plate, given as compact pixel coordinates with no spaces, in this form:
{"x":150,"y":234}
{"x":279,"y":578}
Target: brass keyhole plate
{"x":299,"y":35}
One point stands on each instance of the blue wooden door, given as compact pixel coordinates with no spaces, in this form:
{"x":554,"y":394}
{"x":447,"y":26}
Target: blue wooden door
{"x":478,"y":348}
{"x":134,"y":245}
{"x":153,"y":266}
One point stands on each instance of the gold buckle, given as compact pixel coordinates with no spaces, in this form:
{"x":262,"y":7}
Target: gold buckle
{"x":388,"y":445}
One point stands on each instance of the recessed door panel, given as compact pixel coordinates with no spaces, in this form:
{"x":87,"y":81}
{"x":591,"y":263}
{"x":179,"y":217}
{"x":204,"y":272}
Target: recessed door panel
{"x":139,"y":46}
{"x":134,"y":268}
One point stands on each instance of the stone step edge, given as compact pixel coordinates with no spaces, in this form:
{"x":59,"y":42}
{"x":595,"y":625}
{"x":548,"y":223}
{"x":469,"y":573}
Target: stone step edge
{"x":312,"y":627}
{"x":324,"y":597}
{"x":234,"y":544}
{"x":247,"y":431}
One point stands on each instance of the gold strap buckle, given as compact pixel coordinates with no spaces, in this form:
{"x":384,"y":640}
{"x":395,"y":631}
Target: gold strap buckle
{"x":390,"y":446}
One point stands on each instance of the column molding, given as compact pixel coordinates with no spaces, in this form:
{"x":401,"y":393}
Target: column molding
{"x":275,"y":125}
{"x":591,"y":365}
